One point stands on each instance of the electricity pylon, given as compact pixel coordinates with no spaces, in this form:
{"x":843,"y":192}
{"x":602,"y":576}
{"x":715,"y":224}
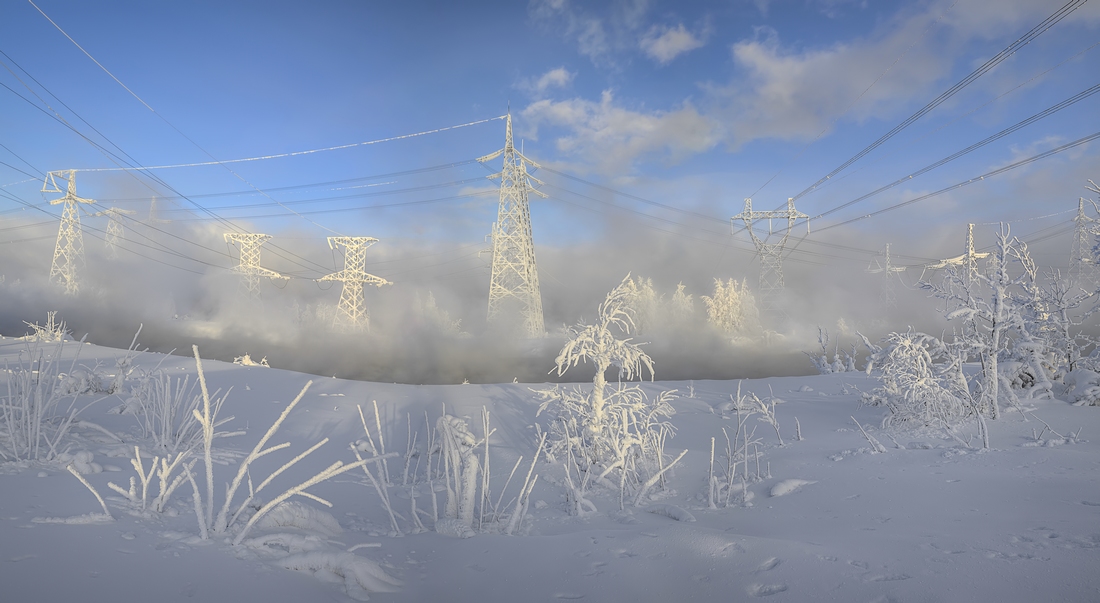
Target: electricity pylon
{"x":514,"y":280}
{"x":1082,"y":261}
{"x":116,"y":232}
{"x":351,"y":312}
{"x":968,"y":261}
{"x":887,"y":295}
{"x":68,"y":253}
{"x":249,"y":265}
{"x":153,"y":213}
{"x":770,"y":250}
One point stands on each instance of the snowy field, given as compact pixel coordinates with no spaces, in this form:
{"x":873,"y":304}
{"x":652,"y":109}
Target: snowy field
{"x":822,"y":517}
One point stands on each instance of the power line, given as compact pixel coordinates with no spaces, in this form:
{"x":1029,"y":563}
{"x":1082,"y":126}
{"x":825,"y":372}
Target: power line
{"x":999,"y":135}
{"x":972,"y":111}
{"x":997,"y":59}
{"x":980,"y":178}
{"x":291,"y":154}
{"x":856,"y":100}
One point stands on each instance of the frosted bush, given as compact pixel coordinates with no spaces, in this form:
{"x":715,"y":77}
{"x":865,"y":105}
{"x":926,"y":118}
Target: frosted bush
{"x":603,"y":434}
{"x":53,"y":331}
{"x":923,"y":384}
{"x":37,"y":410}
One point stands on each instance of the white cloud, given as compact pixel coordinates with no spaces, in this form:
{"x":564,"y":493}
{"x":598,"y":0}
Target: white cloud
{"x":600,"y":33}
{"x":663,"y":44}
{"x":607,"y":137}
{"x":555,"y":78}
{"x":788,"y":94}
{"x":784,"y":93}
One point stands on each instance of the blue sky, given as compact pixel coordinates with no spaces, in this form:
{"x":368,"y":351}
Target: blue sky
{"x":694,"y":105}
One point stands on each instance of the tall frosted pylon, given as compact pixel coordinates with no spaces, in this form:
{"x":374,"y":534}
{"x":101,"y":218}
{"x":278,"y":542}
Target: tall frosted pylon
{"x":116,"y":232}
{"x":1082,"y":261}
{"x":967,"y":263}
{"x":514,"y":295}
{"x":68,"y":253}
{"x":351,"y":312}
{"x":770,"y":247}
{"x":249,"y":265}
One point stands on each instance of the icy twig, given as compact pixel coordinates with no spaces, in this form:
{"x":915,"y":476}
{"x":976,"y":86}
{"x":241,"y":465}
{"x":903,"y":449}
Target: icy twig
{"x":653,"y":480}
{"x":525,"y":491}
{"x":257,"y":452}
{"x":332,"y":471}
{"x":87,"y":485}
{"x":197,"y":499}
{"x":876,"y":446}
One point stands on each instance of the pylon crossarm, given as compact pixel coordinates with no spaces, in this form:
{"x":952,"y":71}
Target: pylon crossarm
{"x":490,"y":156}
{"x":528,"y":160}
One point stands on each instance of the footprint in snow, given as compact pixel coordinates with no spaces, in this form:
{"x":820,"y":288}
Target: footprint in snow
{"x":568,"y":596}
{"x":886,"y":577}
{"x":769,"y":564}
{"x":766,"y":590}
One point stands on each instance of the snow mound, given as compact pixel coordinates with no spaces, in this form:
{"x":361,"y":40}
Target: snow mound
{"x":787,"y":486}
{"x":283,"y":543}
{"x":86,"y":519}
{"x":360,"y":576}
{"x":293,"y":514}
{"x":672,"y":512}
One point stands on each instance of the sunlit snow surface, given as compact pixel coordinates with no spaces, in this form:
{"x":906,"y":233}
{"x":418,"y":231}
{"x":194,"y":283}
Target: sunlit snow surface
{"x":928,"y":520}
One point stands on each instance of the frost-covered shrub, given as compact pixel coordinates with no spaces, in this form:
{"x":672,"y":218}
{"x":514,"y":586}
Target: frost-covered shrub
{"x":246,"y":360}
{"x":34,"y":416}
{"x":165,"y":411}
{"x":841,"y":362}
{"x":54,"y":330}
{"x":605,"y":432}
{"x":1082,"y":387}
{"x":918,"y":387}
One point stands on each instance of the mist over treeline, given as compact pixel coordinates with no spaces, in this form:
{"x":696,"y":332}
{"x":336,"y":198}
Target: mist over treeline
{"x":429,"y":326}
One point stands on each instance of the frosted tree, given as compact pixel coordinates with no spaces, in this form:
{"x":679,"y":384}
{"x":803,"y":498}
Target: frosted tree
{"x":645,"y":302}
{"x":732,"y":308}
{"x":598,"y":344}
{"x":681,"y":305}
{"x":608,"y":431}
{"x":435,"y":317}
{"x":1064,"y":312}
{"x":991,"y":307}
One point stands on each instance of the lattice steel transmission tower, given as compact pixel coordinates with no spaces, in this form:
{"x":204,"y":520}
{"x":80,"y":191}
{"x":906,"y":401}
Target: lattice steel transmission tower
{"x":68,"y":253}
{"x":968,"y":261}
{"x":770,"y":249}
{"x":351,"y":312}
{"x":116,"y":232}
{"x":249,"y":265}
{"x":887,"y":270}
{"x":154,"y":213}
{"x":1082,"y":261}
{"x":514,"y":282}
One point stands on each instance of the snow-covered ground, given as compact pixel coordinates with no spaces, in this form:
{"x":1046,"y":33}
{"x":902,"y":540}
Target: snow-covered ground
{"x":929,"y":519}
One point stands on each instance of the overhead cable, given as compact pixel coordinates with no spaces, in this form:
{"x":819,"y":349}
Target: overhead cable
{"x":997,"y":59}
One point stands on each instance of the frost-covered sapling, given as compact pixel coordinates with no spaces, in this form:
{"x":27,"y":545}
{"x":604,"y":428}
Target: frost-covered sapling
{"x":608,"y":430}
